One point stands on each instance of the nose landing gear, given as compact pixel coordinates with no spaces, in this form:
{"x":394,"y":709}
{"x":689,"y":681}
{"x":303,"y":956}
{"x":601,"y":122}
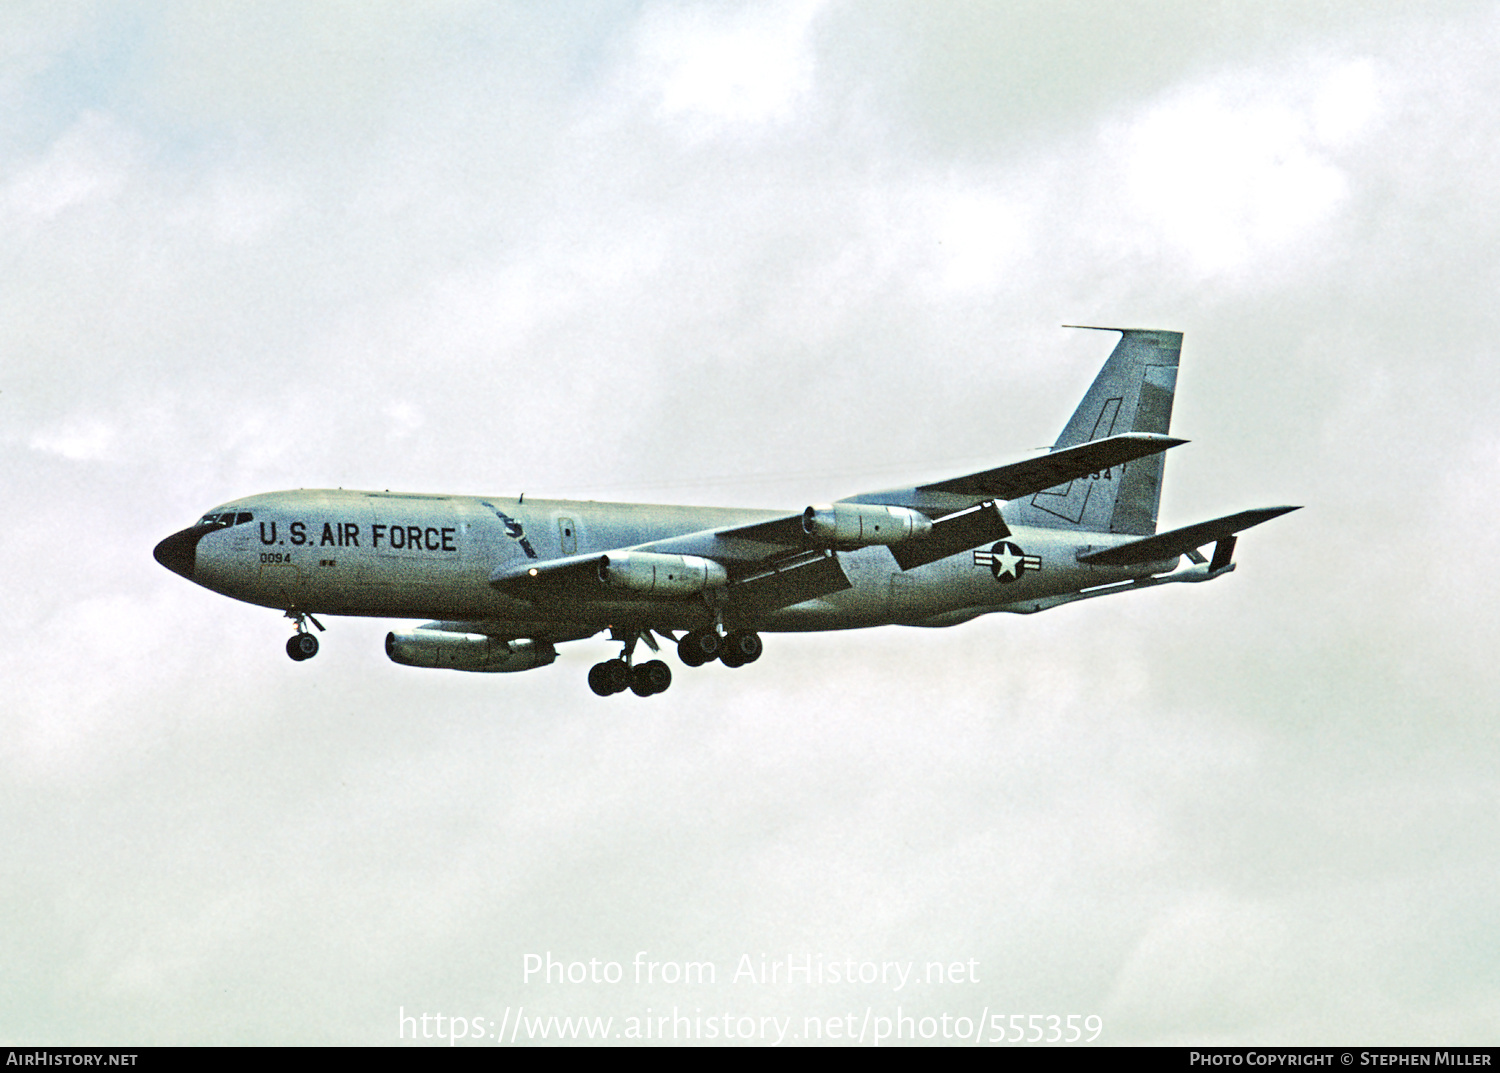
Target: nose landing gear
{"x":302,"y":645}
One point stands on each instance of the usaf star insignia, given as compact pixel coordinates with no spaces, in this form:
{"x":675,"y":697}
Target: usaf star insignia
{"x":1007,"y":561}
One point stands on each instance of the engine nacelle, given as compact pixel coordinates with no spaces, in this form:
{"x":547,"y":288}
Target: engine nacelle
{"x":653,"y":573}
{"x":860,"y":525}
{"x":466,"y":651}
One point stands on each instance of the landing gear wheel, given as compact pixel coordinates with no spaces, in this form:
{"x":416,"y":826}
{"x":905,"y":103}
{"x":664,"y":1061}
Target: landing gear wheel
{"x":597,"y":680}
{"x":649,"y":678}
{"x":617,"y":674}
{"x":740,"y":647}
{"x":301,"y":646}
{"x":614,"y":675}
{"x":698,"y":647}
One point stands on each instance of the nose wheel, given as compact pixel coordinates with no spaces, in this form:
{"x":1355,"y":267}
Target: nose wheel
{"x":302,"y":645}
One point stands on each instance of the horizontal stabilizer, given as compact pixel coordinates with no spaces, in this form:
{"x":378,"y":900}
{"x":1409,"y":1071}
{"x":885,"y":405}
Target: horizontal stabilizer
{"x":951,"y":535}
{"x":1182,"y":541}
{"x":1046,"y":471}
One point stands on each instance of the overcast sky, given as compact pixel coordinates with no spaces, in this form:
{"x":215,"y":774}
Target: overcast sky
{"x":754,"y":254}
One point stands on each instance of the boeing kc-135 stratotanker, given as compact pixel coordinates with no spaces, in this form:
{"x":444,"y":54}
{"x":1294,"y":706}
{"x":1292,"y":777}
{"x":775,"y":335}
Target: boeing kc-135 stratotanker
{"x":508,"y":579}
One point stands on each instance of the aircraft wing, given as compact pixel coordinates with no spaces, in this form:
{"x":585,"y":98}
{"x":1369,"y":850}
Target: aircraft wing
{"x":785,"y":572}
{"x":1183,"y":541}
{"x":1027,"y":477}
{"x":1020,"y":479}
{"x":963,"y":509}
{"x":530,"y":578}
{"x":951,"y":533}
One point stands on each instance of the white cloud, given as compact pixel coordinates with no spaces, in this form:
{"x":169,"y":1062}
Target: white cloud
{"x":1346,"y":104}
{"x":89,"y":163}
{"x":1232,"y":179}
{"x":404,"y":420}
{"x":981,"y":236}
{"x":743,"y":66}
{"x":79,"y":440}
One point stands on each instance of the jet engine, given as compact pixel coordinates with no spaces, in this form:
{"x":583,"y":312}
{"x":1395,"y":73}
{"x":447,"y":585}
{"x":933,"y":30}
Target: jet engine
{"x":653,"y":573}
{"x":466,"y":651}
{"x":860,"y":525}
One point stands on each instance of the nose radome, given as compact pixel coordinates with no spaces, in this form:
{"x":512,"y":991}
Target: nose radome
{"x":179,"y":552}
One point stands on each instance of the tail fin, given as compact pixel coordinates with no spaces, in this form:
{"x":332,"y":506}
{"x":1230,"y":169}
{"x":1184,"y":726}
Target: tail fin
{"x":1132,"y":393}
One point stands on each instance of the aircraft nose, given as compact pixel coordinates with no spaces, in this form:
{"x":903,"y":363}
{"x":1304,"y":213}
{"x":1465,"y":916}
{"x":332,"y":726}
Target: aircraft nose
{"x":179,"y":552}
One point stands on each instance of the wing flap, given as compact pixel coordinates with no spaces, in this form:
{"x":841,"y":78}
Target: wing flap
{"x":790,"y":582}
{"x":1182,"y":541}
{"x":952,"y":534}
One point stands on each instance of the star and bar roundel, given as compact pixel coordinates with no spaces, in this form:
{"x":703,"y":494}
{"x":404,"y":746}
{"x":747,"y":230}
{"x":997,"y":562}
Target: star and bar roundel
{"x":1006,"y":561}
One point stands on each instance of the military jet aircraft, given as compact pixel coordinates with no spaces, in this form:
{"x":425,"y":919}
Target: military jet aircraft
{"x":505,"y":579}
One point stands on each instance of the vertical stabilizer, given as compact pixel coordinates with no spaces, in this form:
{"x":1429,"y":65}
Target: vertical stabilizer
{"x":1132,"y":393}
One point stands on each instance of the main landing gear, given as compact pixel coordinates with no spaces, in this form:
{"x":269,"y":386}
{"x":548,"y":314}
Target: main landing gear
{"x":734,"y":649}
{"x":302,"y":645}
{"x":617,"y":675}
{"x":695,"y":648}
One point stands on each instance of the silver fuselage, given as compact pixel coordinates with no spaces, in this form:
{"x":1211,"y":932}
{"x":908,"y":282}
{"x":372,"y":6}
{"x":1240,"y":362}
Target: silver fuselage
{"x":392,"y":555}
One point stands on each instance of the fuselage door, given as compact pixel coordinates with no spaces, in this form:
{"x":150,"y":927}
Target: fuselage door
{"x":567,"y":535}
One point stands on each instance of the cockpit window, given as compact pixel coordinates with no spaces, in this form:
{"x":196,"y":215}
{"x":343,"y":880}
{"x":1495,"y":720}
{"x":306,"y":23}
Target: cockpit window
{"x":225,"y":519}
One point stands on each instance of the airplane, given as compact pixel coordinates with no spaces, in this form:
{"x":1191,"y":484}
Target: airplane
{"x":505,"y":579}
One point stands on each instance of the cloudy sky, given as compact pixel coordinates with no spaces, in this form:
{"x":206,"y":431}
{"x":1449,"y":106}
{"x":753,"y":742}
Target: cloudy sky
{"x":757,"y":254}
